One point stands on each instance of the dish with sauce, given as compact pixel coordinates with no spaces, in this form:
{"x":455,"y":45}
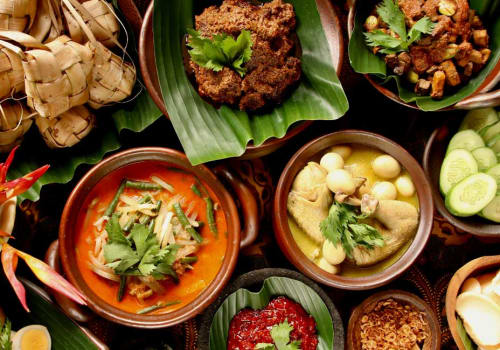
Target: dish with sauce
{"x":150,"y":238}
{"x":353,"y":210}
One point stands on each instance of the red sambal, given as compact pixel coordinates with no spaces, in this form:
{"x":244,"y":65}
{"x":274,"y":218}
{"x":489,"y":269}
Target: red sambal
{"x":249,"y":327}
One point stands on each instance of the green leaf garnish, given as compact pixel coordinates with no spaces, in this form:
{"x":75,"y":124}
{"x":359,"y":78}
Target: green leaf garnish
{"x":462,"y":333}
{"x":390,"y":13}
{"x":139,"y":254}
{"x":342,"y":226}
{"x":281,"y":337}
{"x":5,"y":333}
{"x":220,"y":51}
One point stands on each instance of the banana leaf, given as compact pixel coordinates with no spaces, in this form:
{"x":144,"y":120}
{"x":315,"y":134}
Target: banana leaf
{"x":135,"y":115}
{"x":207,"y":133}
{"x":64,"y":332}
{"x":364,"y":61}
{"x":462,"y":333}
{"x":272,"y":287}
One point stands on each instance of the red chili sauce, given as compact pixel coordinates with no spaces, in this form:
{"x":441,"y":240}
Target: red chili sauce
{"x":249,"y":327}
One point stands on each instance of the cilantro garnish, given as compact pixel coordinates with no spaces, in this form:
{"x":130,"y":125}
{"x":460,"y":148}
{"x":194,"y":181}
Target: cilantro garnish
{"x":391,"y":14}
{"x":281,"y":338}
{"x":5,"y":333}
{"x":139,"y":254}
{"x":342,"y":227}
{"x":220,"y":51}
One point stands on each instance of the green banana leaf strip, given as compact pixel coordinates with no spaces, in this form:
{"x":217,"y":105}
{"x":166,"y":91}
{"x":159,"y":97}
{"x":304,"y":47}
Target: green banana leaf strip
{"x":468,"y":344}
{"x":135,"y":115}
{"x":364,"y":61}
{"x":273,"y":286}
{"x":207,"y":133}
{"x":65,"y":334}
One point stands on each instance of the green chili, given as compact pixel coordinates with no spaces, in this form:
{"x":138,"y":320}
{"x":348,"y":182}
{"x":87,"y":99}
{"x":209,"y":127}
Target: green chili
{"x":195,"y":189}
{"x":114,"y":202}
{"x":189,"y":259}
{"x":185,"y":223}
{"x":144,"y":186}
{"x":210,"y":216}
{"x":157,"y":306}
{"x":121,"y":290}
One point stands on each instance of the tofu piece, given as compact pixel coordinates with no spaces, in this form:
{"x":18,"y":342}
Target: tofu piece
{"x":481,"y":37}
{"x":452,"y":76}
{"x":438,"y":81}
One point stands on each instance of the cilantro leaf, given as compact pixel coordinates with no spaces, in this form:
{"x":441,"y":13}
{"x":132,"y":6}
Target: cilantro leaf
{"x":280,"y":334}
{"x":423,"y":26}
{"x":5,"y":334}
{"x":389,"y":12}
{"x":379,"y":38}
{"x":114,"y":230}
{"x":220,"y":51}
{"x":342,"y":227}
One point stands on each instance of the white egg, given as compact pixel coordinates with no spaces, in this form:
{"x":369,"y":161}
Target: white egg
{"x":384,"y":190}
{"x":325,"y":265}
{"x":340,"y":180}
{"x":343,"y":150}
{"x":333,"y":253}
{"x":332,"y":161}
{"x":35,"y":337}
{"x":386,"y":167}
{"x":405,"y":186}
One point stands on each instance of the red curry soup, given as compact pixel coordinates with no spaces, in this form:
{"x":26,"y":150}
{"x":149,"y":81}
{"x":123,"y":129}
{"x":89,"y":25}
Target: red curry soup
{"x":150,"y":238}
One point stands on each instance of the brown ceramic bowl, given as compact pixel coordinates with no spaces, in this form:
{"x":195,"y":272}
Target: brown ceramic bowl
{"x":472,"y":268}
{"x":487,"y":95}
{"x":333,"y":32}
{"x":354,"y":331}
{"x":67,"y":233}
{"x":435,"y":151}
{"x":300,"y":159}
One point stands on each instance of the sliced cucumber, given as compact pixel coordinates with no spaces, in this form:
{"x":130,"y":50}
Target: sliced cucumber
{"x":495,"y":172}
{"x":490,"y":131}
{"x":471,"y":195}
{"x":492,"y":210}
{"x":485,"y":158}
{"x":466,"y":139}
{"x":479,"y":119}
{"x":457,"y":165}
{"x":494,"y":144}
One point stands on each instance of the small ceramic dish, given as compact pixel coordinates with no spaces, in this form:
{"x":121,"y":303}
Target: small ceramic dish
{"x":235,"y":239}
{"x":472,"y":268}
{"x":333,"y":31}
{"x":287,"y":242}
{"x":435,"y":151}
{"x":253,"y":282}
{"x":354,"y":331}
{"x":487,"y":94}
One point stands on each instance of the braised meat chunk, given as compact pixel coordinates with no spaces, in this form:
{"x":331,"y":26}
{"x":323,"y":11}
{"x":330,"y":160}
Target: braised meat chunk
{"x":447,"y":43}
{"x":272,"y":68}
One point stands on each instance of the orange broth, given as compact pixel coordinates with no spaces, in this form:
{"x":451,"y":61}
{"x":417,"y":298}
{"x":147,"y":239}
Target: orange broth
{"x":192,"y":282}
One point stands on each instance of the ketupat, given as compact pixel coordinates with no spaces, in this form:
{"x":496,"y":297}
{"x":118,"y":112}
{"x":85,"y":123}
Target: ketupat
{"x":11,"y":73}
{"x":15,"y":121}
{"x":17,"y":15}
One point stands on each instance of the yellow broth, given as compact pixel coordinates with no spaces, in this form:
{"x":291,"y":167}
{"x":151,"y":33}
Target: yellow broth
{"x":359,"y":165}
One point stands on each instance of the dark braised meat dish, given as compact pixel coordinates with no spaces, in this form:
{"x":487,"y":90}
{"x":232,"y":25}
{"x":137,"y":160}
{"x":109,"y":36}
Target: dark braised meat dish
{"x":272,"y":68}
{"x":448,"y":51}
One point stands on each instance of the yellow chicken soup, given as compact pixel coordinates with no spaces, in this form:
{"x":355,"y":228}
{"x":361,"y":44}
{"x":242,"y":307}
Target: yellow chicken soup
{"x":353,"y":210}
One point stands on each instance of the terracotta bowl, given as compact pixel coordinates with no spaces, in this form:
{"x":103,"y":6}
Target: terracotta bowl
{"x":472,"y":268}
{"x":435,"y":151}
{"x":487,"y":95}
{"x":353,"y":330}
{"x":280,"y":218}
{"x":253,"y":281}
{"x":67,"y":233}
{"x":333,"y":32}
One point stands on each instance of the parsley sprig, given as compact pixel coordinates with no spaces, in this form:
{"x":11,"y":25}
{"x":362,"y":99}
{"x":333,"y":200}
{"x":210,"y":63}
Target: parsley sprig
{"x":220,"y":51}
{"x":5,"y":334}
{"x":280,"y":334}
{"x":391,"y":14}
{"x":342,"y":227}
{"x":138,"y":254}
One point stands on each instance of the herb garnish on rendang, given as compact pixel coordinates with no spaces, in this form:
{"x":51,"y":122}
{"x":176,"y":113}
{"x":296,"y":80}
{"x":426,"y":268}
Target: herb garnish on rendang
{"x":281,"y":338}
{"x":220,"y":51}
{"x":392,"y":15}
{"x":5,"y":334}
{"x":342,"y":227}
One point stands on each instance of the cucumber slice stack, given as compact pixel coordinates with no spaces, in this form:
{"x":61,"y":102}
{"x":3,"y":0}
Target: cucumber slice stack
{"x":470,"y":173}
